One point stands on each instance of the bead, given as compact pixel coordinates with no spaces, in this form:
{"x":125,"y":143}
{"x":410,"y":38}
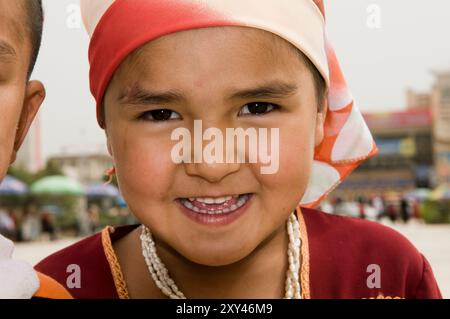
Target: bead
{"x":165,"y":283}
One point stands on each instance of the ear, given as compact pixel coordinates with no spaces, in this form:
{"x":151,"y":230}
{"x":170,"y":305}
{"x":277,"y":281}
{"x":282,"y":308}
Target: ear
{"x":34,"y":96}
{"x":320,"y":124}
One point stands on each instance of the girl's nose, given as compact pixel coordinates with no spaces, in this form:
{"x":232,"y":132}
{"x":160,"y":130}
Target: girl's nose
{"x":214,"y":172}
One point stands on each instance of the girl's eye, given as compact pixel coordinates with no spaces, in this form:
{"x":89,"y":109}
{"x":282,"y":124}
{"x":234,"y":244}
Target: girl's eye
{"x":258,"y":108}
{"x":160,"y":115}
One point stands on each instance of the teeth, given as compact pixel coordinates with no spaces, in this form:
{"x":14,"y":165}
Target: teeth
{"x":241,"y":202}
{"x":188,"y":204}
{"x":210,"y":200}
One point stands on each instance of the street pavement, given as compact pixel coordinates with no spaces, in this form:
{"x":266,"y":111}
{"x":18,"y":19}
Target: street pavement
{"x":433,"y":241}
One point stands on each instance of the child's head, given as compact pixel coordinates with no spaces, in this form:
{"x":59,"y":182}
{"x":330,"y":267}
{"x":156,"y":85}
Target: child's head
{"x":228,"y":75}
{"x":213,"y":75}
{"x":20,"y":37}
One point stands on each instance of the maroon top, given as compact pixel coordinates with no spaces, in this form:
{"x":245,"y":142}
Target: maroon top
{"x":342,"y":251}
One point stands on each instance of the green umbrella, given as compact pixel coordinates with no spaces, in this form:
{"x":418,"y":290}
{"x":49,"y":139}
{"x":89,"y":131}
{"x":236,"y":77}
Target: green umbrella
{"x":57,"y":185}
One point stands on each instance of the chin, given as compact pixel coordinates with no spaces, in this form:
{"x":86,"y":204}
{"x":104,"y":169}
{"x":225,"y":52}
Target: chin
{"x":216,"y":255}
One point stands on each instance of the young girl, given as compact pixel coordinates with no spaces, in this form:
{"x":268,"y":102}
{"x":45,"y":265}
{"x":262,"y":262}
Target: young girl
{"x":229,"y":229}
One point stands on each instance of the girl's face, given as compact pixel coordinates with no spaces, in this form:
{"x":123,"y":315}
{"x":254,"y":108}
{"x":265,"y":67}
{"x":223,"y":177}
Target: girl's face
{"x":228,"y":78}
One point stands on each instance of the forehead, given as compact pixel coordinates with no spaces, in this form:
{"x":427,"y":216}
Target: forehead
{"x":243,"y":39}
{"x":12,"y":26}
{"x":212,"y":50}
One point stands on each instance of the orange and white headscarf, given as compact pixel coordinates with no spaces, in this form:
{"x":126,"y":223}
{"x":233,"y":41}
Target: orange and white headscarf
{"x":118,"y":27}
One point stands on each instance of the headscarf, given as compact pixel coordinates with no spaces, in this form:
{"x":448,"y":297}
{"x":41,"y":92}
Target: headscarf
{"x":118,"y":27}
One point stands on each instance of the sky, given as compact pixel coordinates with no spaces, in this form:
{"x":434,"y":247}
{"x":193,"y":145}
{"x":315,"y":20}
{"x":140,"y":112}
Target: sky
{"x":384,"y":47}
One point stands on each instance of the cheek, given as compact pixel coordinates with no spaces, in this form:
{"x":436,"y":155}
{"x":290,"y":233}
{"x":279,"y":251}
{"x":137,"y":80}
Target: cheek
{"x":143,"y":164}
{"x":296,"y":152}
{"x":10,"y":108}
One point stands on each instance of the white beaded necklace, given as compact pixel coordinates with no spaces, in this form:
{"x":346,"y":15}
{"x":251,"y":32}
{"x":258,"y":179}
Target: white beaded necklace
{"x":161,"y":277}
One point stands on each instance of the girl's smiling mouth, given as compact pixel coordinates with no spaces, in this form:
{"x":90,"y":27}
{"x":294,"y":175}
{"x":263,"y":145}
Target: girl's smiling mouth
{"x":215,"y":210}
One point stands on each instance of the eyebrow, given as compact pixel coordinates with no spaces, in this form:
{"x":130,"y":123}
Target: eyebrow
{"x":7,"y":51}
{"x":274,"y":89}
{"x":139,"y":96}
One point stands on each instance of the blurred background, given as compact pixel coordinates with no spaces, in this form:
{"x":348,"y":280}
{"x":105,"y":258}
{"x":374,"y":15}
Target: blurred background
{"x":396,"y":57}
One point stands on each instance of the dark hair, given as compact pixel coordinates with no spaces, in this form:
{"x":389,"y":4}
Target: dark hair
{"x":319,"y":82}
{"x":34,"y":15}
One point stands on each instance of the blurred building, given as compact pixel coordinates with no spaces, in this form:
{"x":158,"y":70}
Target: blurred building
{"x":405,"y":158}
{"x":414,"y":145}
{"x":440,"y":96}
{"x":30,"y":156}
{"x":85,"y":168}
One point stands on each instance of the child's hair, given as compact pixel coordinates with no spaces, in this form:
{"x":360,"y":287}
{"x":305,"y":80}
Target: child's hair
{"x":34,"y":15}
{"x":319,"y":82}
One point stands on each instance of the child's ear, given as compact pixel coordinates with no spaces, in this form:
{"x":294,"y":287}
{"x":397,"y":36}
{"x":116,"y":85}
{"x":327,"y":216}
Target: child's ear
{"x":34,"y":96}
{"x":320,"y":124}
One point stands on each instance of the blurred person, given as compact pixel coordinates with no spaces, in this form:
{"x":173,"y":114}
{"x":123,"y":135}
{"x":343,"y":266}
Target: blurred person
{"x":224,"y":230}
{"x":339,"y":206}
{"x":21,"y":24}
{"x":404,"y":210}
{"x":371,"y":211}
{"x":391,"y":211}
{"x":47,"y":224}
{"x":361,"y":207}
{"x":31,"y":227}
{"x":416,"y":206}
{"x":379,"y":204}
